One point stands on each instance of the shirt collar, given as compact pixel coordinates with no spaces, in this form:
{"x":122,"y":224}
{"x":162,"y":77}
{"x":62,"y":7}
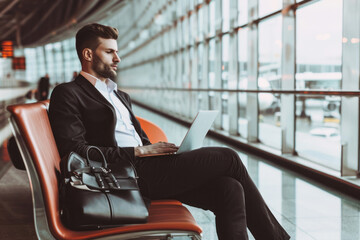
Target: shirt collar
{"x":107,"y":86}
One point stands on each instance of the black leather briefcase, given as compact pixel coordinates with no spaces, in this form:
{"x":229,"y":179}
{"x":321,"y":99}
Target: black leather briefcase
{"x":96,"y":195}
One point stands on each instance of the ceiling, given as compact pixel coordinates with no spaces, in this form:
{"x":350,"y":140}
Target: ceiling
{"x":30,"y":23}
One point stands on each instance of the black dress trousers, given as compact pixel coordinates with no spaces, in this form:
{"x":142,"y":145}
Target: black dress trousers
{"x":214,"y":179}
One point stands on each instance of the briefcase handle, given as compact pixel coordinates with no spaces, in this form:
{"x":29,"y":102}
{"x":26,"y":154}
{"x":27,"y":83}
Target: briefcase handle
{"x":101,"y":153}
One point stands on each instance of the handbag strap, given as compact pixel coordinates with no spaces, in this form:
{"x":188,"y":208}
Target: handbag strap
{"x":101,"y":153}
{"x":105,"y":165}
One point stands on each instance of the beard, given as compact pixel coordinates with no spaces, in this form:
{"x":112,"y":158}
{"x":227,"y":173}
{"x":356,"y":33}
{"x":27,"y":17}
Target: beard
{"x":103,"y":69}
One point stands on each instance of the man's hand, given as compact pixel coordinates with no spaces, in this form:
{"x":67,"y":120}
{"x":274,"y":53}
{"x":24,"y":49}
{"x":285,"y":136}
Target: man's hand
{"x":156,"y":148}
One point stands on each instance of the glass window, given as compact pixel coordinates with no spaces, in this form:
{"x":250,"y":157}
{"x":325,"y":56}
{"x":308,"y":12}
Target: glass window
{"x":225,"y":61}
{"x":31,"y":69}
{"x":212,"y":63}
{"x":71,"y":60}
{"x":212,"y":18}
{"x":225,"y":81}
{"x":185,"y":6}
{"x":166,"y":42}
{"x":192,"y":27}
{"x":185,"y":31}
{"x":200,"y":25}
{"x":179,"y":36}
{"x":243,"y":77}
{"x":40,"y":61}
{"x":211,"y":78}
{"x":186,"y":74}
{"x":49,"y":58}
{"x":58,"y":63}
{"x":173,"y":33}
{"x":242,"y":12}
{"x":318,"y":66}
{"x":269,"y":6}
{"x":269,"y":79}
{"x":201,"y":84}
{"x":225,"y":15}
{"x":179,"y":8}
{"x":200,"y":56}
{"x":191,"y":4}
{"x":193,"y":67}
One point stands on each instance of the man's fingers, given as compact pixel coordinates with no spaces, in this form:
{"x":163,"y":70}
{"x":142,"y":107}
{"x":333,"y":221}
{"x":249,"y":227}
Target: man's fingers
{"x":166,"y":144}
{"x":162,"y":147}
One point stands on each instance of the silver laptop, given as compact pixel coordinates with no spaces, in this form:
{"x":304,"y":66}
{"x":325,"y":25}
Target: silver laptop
{"x":195,"y":136}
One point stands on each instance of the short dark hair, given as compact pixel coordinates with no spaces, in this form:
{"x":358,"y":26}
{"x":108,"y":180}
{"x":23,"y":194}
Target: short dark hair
{"x":88,"y":36}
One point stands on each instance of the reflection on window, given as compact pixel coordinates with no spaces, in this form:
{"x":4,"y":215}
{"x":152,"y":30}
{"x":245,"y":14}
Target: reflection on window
{"x":200,"y":23}
{"x":191,"y":4}
{"x":192,"y":28}
{"x":211,"y":63}
{"x":172,"y":41}
{"x":40,"y":61}
{"x":201,"y":95}
{"x":190,"y":56}
{"x":49,"y":58}
{"x":179,"y":36}
{"x":269,"y":79}
{"x":269,"y":6}
{"x":183,"y":77}
{"x":212,"y":18}
{"x":225,"y":81}
{"x":226,"y":15}
{"x":31,"y":70}
{"x":243,"y":76}
{"x":211,"y":75}
{"x":59,"y":68}
{"x":185,"y":31}
{"x":179,"y":8}
{"x":166,"y":42}
{"x":200,"y":49}
{"x":318,"y":58}
{"x":243,"y":12}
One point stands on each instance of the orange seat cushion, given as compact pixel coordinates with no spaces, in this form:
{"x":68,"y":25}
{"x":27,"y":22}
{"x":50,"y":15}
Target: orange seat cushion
{"x":161,"y":217}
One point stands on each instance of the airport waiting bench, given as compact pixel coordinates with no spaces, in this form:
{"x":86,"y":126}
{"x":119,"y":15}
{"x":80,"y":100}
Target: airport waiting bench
{"x":168,"y":219}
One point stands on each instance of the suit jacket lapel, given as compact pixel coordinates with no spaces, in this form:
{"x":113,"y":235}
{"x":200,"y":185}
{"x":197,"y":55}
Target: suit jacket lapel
{"x":94,"y":93}
{"x":91,"y":90}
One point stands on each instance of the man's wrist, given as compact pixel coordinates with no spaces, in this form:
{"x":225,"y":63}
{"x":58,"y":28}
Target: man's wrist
{"x":138,"y":151}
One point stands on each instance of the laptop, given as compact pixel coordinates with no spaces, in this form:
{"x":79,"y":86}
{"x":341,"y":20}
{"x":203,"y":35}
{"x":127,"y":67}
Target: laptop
{"x":196,"y":134}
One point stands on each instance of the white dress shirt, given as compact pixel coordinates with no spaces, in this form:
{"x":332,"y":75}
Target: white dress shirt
{"x":125,"y":133}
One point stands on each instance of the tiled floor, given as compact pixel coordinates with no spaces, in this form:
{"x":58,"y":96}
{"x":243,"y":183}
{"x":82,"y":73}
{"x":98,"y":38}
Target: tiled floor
{"x":305,"y":209}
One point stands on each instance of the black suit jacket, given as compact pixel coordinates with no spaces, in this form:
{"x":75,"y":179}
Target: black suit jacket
{"x":80,"y":116}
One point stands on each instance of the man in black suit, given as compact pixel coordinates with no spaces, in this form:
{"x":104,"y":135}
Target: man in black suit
{"x":92,"y":111}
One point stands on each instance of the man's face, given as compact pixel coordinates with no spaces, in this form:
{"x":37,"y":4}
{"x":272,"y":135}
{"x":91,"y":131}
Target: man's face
{"x":105,"y":59}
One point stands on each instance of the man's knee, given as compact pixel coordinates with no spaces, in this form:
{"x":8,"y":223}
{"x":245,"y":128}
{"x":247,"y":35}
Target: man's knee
{"x":230,"y":153}
{"x":228,"y":192}
{"x":234,"y":160}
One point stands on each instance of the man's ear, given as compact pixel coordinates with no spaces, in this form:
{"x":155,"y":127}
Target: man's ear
{"x":87,"y":54}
